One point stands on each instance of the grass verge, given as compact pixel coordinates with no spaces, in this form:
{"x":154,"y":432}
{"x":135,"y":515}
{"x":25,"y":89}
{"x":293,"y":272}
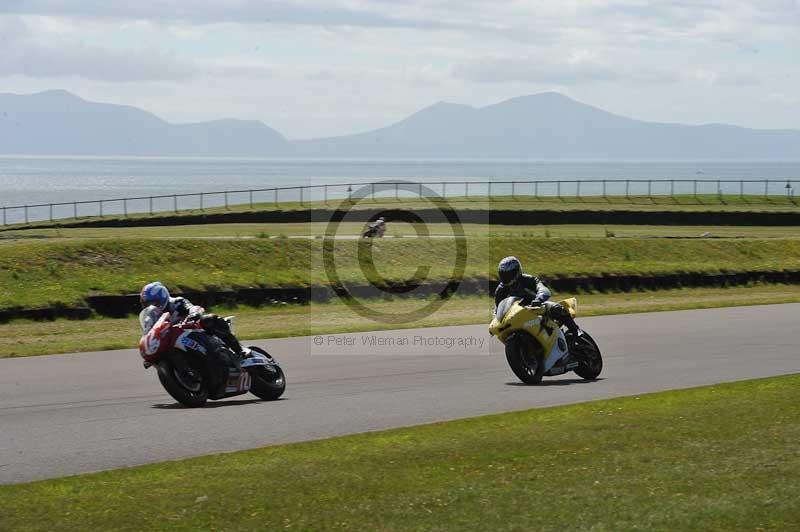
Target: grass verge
{"x":723,"y":457}
{"x":28,"y":338}
{"x":399,"y":229}
{"x":37,"y":274}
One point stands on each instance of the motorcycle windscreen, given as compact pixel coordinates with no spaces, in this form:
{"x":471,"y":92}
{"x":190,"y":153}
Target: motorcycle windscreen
{"x":148,"y":317}
{"x":504,"y":306}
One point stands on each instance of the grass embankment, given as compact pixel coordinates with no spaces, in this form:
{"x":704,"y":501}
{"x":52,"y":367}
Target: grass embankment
{"x":724,"y":457}
{"x":397,"y":230}
{"x":27,"y":338}
{"x":37,"y":274}
{"x":522,"y":201}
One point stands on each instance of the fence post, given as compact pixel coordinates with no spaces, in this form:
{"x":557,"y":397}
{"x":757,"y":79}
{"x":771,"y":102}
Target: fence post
{"x":466,"y":189}
{"x":695,"y":189}
{"x":326,"y":195}
{"x":101,"y":208}
{"x":26,"y":214}
{"x":766,"y":188}
{"x":51,"y":212}
{"x":175,"y":203}
{"x":4,"y":216}
{"x":373,"y":192}
{"x":302,"y":189}
{"x":490,"y":190}
{"x":719,"y":190}
{"x":276,"y":196}
{"x":672,"y":189}
{"x":558,"y":189}
{"x":201,"y":201}
{"x":650,"y":189}
{"x":226,"y":200}
{"x":627,"y":189}
{"x":74,"y":210}
{"x":396,"y":192}
{"x":741,"y":189}
{"x":444,"y":190}
{"x":420,"y":190}
{"x":536,"y":189}
{"x":513,"y":190}
{"x":151,"y":205}
{"x":251,"y":200}
{"x":125,"y":207}
{"x":604,"y":188}
{"x":579,"y":187}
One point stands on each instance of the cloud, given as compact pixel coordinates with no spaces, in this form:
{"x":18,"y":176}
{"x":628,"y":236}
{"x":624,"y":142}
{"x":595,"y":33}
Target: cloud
{"x":24,"y":56}
{"x":576,"y":68}
{"x":303,"y":12}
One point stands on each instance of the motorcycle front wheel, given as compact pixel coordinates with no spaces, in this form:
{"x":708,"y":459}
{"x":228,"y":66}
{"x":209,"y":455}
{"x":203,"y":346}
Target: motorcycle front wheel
{"x":525,"y":357}
{"x":268,"y":382}
{"x":589,"y":358}
{"x":182,"y":381}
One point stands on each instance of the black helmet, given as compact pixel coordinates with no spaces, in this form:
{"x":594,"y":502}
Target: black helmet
{"x":509,"y":270}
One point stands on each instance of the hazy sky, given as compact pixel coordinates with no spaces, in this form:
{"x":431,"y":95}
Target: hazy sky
{"x":314,"y":68}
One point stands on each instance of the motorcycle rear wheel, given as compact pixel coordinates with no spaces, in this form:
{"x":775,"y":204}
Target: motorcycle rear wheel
{"x":184,"y":383}
{"x":267,"y":384}
{"x":589,"y":358}
{"x":525,"y":357}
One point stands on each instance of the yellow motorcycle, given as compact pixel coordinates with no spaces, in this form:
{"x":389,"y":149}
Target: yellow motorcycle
{"x":537,"y":346}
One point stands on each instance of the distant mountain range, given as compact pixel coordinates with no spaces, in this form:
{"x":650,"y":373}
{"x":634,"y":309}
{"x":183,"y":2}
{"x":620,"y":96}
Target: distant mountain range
{"x":546,"y":125}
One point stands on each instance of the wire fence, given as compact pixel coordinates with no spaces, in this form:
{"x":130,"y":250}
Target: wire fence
{"x":588,"y":190}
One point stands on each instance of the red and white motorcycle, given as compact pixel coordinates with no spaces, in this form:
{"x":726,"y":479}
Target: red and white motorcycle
{"x":179,"y":354}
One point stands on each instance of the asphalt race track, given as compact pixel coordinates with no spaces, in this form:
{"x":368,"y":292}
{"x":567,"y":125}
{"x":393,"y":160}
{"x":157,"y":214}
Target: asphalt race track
{"x":68,"y":414}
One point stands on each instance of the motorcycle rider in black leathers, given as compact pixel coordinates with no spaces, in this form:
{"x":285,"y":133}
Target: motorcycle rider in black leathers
{"x":532,"y":291}
{"x":180,"y":308}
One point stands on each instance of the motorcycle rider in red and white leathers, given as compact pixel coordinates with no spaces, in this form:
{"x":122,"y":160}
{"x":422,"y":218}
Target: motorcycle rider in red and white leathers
{"x":180,"y":308}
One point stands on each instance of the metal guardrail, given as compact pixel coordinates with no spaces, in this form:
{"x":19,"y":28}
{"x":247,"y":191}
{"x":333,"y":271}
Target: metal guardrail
{"x":633,"y":190}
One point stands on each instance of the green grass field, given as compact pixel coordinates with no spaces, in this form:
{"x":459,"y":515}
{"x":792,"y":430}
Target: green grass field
{"x":42,"y":273}
{"x":26,"y":338}
{"x":723,"y":457}
{"x":396,"y":230}
{"x":523,"y":201}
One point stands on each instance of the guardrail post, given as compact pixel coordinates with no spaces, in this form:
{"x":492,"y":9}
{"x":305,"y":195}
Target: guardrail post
{"x":51,"y":212}
{"x":650,"y":188}
{"x":490,"y":190}
{"x":26,"y":214}
{"x":513,"y":190}
{"x":396,"y":192}
{"x":74,"y":210}
{"x":175,"y":203}
{"x":719,"y":190}
{"x":301,"y":195}
{"x":276,"y":195}
{"x":579,"y":187}
{"x":372,"y":186}
{"x":201,"y":201}
{"x":627,"y":189}
{"x":151,"y":205}
{"x":672,"y":188}
{"x":420,"y":189}
{"x":695,"y":189}
{"x":466,"y":189}
{"x":4,"y":216}
{"x":766,"y":189}
{"x":604,"y":188}
{"x":251,"y":200}
{"x":741,"y":189}
{"x":226,"y":200}
{"x":558,"y":189}
{"x":101,"y":208}
{"x":125,"y":207}
{"x":326,"y":195}
{"x":444,"y":190}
